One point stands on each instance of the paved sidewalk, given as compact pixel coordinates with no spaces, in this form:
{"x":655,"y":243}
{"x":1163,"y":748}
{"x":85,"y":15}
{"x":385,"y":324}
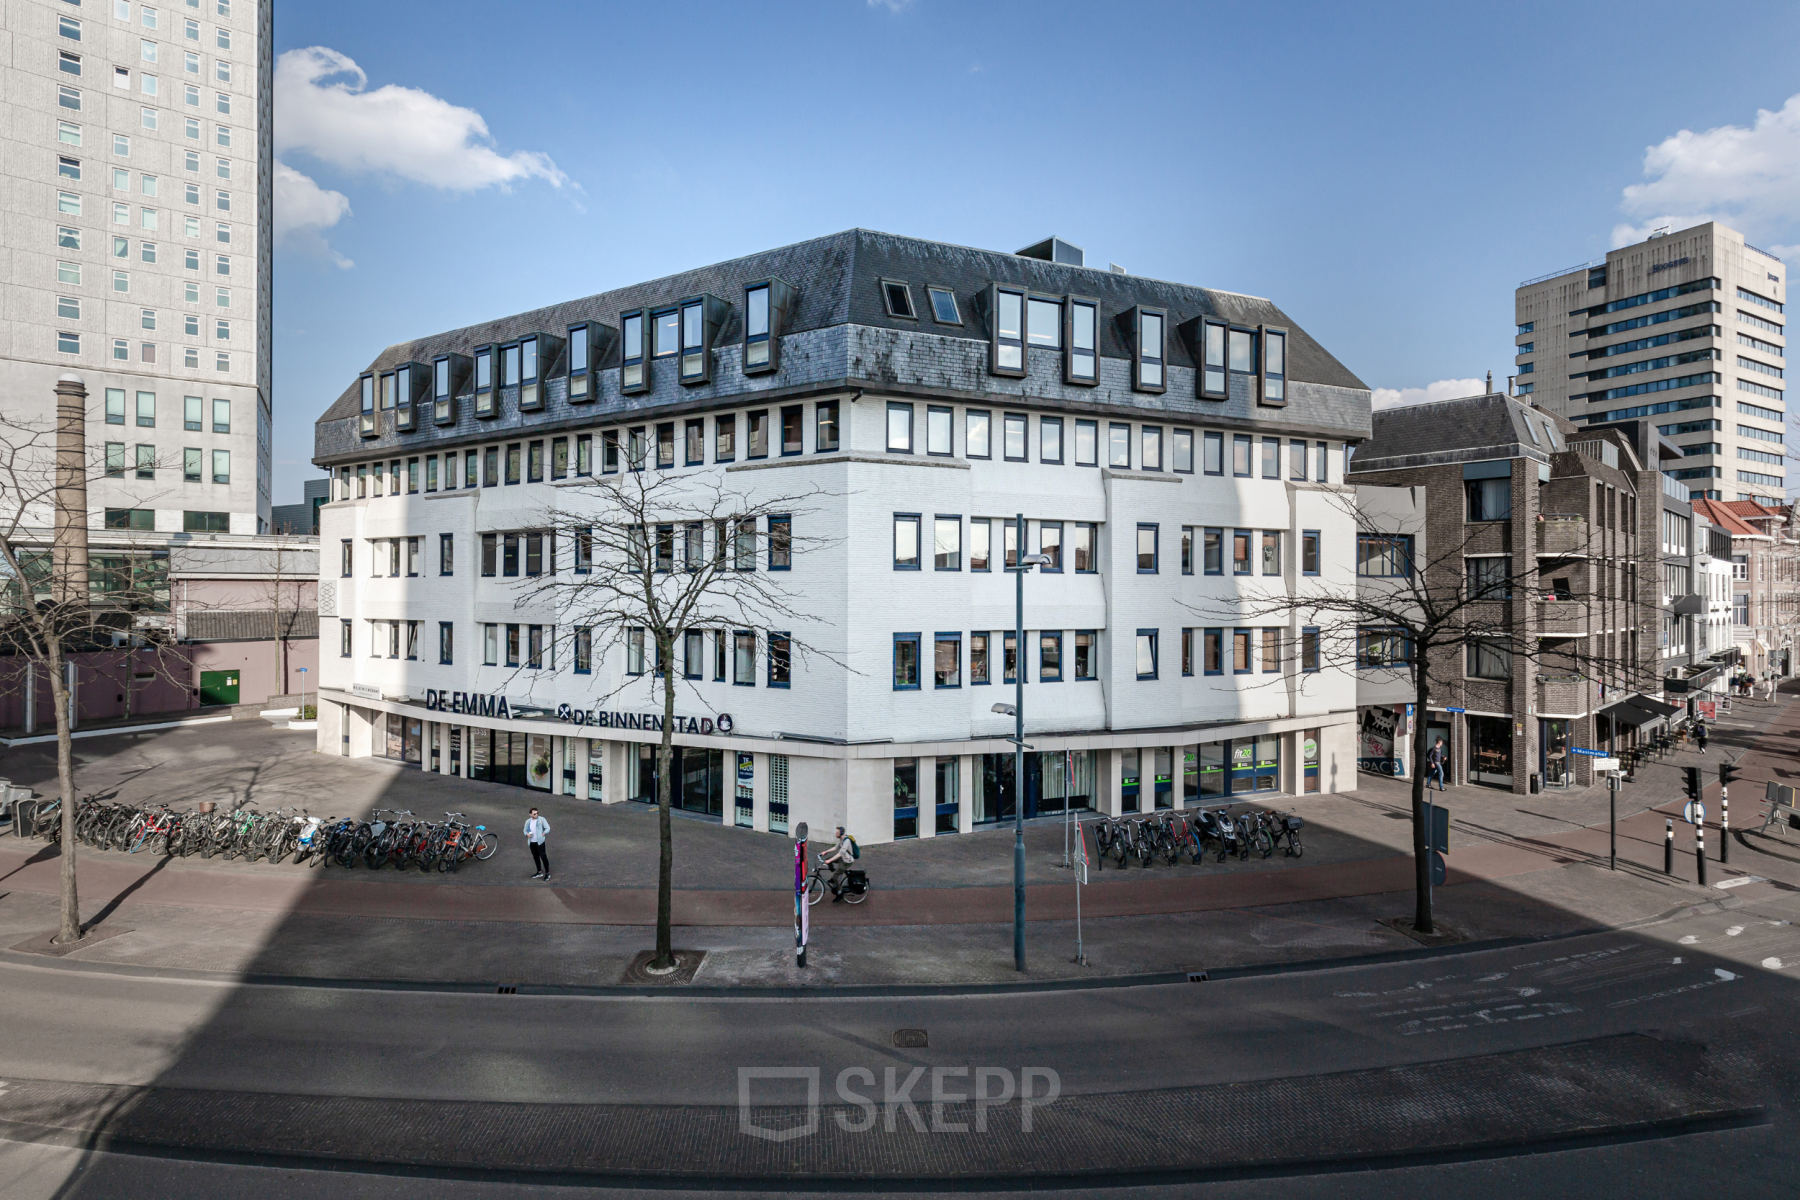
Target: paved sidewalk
{"x":940,"y":913}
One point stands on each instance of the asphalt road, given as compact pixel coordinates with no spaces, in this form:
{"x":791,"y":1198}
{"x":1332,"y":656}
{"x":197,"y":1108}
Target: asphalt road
{"x":1721,"y":978}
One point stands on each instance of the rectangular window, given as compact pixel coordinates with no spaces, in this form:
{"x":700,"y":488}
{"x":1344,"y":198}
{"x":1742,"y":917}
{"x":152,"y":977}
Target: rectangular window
{"x":1489,"y":499}
{"x":1271,"y":552}
{"x":146,"y":410}
{"x":1212,"y":359}
{"x":1212,"y":550}
{"x":1014,"y":444}
{"x":906,"y":662}
{"x":1271,"y":458}
{"x":665,"y":445}
{"x":1081,"y":548}
{"x":1087,"y":443}
{"x":1240,"y":552}
{"x":1087,"y":665}
{"x":1297,"y":458}
{"x":1212,"y":651}
{"x":693,"y":654}
{"x":115,"y":406}
{"x":1382,"y":647}
{"x":146,"y":462}
{"x":1187,"y":651}
{"x":221,"y":466}
{"x":512,"y":463}
{"x":825,"y":426}
{"x":781,"y":666}
{"x":490,"y":645}
{"x":781,"y":543}
{"x":584,"y":454}
{"x":667,"y":326}
{"x":1213,"y":453}
{"x":1146,"y":653}
{"x":1043,"y":323}
{"x":694,"y":442}
{"x":509,"y":555}
{"x":446,"y":554}
{"x":344,"y":636}
{"x":792,"y":421}
{"x":756,"y":438}
{"x":1182,"y":442}
{"x":1007,"y":351}
{"x":1309,"y":552}
{"x":1081,"y":361}
{"x":943,"y":306}
{"x":906,"y":541}
{"x":724,"y":439}
{"x":1240,"y":651}
{"x":1309,"y":648}
{"x":978,"y":658}
{"x":490,"y":546}
{"x":899,"y":428}
{"x":1050,"y":657}
{"x":1384,"y":556}
{"x":1271,"y":651}
{"x":947,"y":543}
{"x":939,"y":425}
{"x":559,"y":458}
{"x":757,"y":341}
{"x":946,"y":660}
{"x":1118,"y":452}
{"x":980,"y":544}
{"x":1274,"y":364}
{"x":1050,"y":544}
{"x":1320,"y":459}
{"x":1150,"y":447}
{"x":1240,"y":360}
{"x":1489,"y":658}
{"x":1241,"y":444}
{"x":584,"y":650}
{"x":633,"y":376}
{"x":446,"y":643}
{"x":744,"y":547}
{"x":634,"y":650}
{"x":1148,"y":363}
{"x":977,"y":433}
{"x":1009,"y":658}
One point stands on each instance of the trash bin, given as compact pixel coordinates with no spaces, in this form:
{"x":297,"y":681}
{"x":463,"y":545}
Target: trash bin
{"x":1537,"y":783}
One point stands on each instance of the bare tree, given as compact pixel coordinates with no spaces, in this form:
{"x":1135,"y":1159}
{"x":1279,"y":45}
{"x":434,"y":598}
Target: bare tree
{"x":48,"y":608}
{"x":1425,"y":618}
{"x":658,"y":555}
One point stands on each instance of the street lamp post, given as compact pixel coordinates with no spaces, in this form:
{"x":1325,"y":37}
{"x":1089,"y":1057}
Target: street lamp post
{"x":1017,"y":711}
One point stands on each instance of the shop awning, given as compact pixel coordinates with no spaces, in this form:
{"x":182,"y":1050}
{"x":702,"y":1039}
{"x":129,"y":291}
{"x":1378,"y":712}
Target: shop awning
{"x":1653,"y":706}
{"x":1625,"y":713}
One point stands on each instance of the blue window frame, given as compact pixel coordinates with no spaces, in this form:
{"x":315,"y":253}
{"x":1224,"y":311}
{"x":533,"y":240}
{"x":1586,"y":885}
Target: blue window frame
{"x":1309,"y":648}
{"x":1384,"y":556}
{"x":1241,"y":541}
{"x":693,"y":654}
{"x":906,"y":662}
{"x":1187,"y":651}
{"x":1146,"y":653}
{"x":946,"y":660}
{"x":1187,"y":549}
{"x":1241,"y":455}
{"x":1050,"y":660}
{"x":1212,"y":651}
{"x":1212,"y":460}
{"x":1212,"y":550}
{"x":1146,"y":549}
{"x":781,"y":543}
{"x":906,"y":541}
{"x":1241,"y":662}
{"x":1050,"y":546}
{"x":781,"y":660}
{"x":1309,"y":552}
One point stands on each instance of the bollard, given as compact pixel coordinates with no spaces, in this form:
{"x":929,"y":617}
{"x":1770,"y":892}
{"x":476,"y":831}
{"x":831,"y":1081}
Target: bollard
{"x":1724,"y":827}
{"x":1669,"y":847}
{"x":1700,"y":850}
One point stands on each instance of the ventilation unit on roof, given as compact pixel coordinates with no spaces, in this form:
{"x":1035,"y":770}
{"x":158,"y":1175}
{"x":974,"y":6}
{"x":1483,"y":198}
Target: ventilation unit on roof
{"x":1116,"y":269}
{"x":1054,"y":249}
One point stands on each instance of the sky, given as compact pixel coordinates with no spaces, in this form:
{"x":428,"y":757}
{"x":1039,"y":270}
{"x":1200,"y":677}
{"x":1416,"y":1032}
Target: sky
{"x":1387,"y":173}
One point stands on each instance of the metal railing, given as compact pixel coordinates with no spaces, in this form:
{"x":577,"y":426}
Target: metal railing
{"x":1565,"y":271}
{"x":1759,"y":250}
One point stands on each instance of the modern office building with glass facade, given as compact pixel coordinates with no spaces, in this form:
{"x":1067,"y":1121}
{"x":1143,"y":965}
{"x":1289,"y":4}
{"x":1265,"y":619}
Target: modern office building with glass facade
{"x":1177,"y":454}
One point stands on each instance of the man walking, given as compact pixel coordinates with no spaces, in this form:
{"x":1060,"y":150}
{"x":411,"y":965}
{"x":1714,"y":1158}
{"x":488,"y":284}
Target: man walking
{"x":1700,"y":733}
{"x":536,"y":830}
{"x":1434,"y":765}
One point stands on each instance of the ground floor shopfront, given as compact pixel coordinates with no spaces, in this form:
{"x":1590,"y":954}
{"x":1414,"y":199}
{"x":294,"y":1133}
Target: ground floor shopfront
{"x":879,"y":792}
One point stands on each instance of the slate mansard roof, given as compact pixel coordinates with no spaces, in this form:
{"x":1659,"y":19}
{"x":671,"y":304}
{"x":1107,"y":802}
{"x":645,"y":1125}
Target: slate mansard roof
{"x":1472,"y":429}
{"x":839,"y":335}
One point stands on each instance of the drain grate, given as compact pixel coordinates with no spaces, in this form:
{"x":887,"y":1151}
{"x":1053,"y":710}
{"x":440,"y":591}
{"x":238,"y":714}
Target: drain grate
{"x":506,"y":989}
{"x":910,"y":1039}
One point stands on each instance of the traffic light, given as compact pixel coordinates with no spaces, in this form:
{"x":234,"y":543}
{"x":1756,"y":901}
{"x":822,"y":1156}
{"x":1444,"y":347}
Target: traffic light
{"x":1727,"y":773}
{"x":1692,"y":790}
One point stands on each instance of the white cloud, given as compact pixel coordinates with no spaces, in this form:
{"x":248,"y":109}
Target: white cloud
{"x":891,"y":5}
{"x":1443,"y":389}
{"x":304,"y":211}
{"x":1745,"y":176}
{"x":322,"y":110}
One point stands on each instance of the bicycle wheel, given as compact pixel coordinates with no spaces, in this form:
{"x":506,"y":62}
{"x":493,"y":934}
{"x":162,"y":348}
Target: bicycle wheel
{"x":815,"y":890}
{"x":1263,"y":842}
{"x":485,"y":847}
{"x":1294,"y":845}
{"x":858,"y":897}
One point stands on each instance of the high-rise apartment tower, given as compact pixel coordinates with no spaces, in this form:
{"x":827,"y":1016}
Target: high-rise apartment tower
{"x":136,"y":222}
{"x":1684,"y":329}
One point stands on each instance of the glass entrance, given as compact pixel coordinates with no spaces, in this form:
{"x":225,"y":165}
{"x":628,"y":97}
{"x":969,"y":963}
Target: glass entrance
{"x":1554,"y":752}
{"x":1309,"y":759}
{"x":405,"y":738}
{"x":497,"y":755}
{"x":1212,"y":770}
{"x":1130,"y":780}
{"x":1066,"y":780}
{"x":744,"y":801}
{"x":1165,"y":776}
{"x":697,"y":777}
{"x":906,"y":798}
{"x":1490,"y":750}
{"x":537,"y":761}
{"x":949,"y":795}
{"x":997,"y":790}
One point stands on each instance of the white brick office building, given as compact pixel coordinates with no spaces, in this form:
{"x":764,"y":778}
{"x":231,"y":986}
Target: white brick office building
{"x":931,"y":392}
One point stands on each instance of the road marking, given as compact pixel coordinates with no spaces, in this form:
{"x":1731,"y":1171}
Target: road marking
{"x":1689,"y":940}
{"x":1734,"y":931}
{"x":1774,"y":964}
{"x":1724,"y":975}
{"x":1739,"y":881}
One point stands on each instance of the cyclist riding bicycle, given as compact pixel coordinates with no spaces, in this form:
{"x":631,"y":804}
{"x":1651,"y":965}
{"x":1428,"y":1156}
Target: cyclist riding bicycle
{"x":841,"y":854}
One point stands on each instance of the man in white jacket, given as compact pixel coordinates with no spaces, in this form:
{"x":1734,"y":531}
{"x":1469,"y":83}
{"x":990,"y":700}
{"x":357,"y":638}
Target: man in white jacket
{"x":536,"y":830}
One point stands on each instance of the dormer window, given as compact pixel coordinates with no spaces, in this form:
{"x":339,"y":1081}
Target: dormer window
{"x":1274,"y":366}
{"x":897,"y":296}
{"x":579,"y":380}
{"x":409,"y":387}
{"x":702,"y":317}
{"x":509,"y":369}
{"x":1006,"y":352}
{"x":1043,"y":323}
{"x":633,"y":373}
{"x":1148,"y":349}
{"x":449,"y":372}
{"x":1212,"y":359}
{"x":531,"y":393}
{"x":387,"y":399}
{"x":766,"y":307}
{"x":366,"y":386}
{"x":1240,"y":360}
{"x":1081,"y":355}
{"x":484,"y":383}
{"x":668,"y":333}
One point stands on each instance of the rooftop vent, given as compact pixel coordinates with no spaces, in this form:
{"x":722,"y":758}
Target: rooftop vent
{"x":1054,"y":249}
{"x":1116,"y":269}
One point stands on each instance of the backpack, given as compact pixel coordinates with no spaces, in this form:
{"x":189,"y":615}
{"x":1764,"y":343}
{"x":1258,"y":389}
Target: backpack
{"x":855,"y":850}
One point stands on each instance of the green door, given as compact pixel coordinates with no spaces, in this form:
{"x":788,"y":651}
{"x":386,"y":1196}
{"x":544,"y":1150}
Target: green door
{"x":218,"y":687}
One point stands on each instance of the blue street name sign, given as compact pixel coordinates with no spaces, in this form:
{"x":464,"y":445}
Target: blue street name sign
{"x":1456,"y":710}
{"x":1590,"y":753}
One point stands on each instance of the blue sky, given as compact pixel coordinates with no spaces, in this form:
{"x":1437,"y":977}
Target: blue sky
{"x":1386,"y":173}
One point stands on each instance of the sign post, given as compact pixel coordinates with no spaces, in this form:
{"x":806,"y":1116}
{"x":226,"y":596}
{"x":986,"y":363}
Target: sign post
{"x":302,"y":713}
{"x":1437,"y":844}
{"x":801,"y":917}
{"x":1081,"y":873}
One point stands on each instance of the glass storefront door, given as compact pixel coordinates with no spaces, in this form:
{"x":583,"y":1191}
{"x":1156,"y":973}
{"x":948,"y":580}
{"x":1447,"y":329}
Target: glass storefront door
{"x":1165,"y":776}
{"x":1309,"y":759}
{"x":596,"y":770}
{"x":949,"y":795}
{"x":405,"y":738}
{"x":744,"y":800}
{"x":537,"y":761}
{"x":997,"y":790}
{"x":1212,"y":770}
{"x":1490,"y":750}
{"x":498,"y":756}
{"x":1130,"y":779}
{"x":906,"y":798}
{"x":1554,"y":752}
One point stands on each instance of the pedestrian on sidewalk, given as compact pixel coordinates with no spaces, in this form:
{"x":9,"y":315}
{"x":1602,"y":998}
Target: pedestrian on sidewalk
{"x":536,"y":830}
{"x":1700,"y":733}
{"x":1434,"y":765}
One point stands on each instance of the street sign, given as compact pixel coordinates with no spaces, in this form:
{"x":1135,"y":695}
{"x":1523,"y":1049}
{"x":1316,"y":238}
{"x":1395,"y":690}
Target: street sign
{"x":1589,"y":753}
{"x":1606,"y":764}
{"x":1439,"y":872}
{"x":1437,"y":828}
{"x":1456,"y":710}
{"x":1693,"y":810}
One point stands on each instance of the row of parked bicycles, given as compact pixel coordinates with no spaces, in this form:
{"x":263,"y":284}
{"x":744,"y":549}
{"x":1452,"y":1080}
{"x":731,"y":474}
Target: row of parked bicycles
{"x":1168,"y":835}
{"x":395,"y":837}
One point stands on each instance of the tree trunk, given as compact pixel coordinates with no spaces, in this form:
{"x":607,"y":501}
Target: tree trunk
{"x":1421,"y":851}
{"x":69,"y":927}
{"x":665,"y":660}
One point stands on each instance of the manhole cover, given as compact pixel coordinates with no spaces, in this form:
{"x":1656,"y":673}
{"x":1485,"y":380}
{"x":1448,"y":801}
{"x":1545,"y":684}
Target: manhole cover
{"x":910,"y":1039}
